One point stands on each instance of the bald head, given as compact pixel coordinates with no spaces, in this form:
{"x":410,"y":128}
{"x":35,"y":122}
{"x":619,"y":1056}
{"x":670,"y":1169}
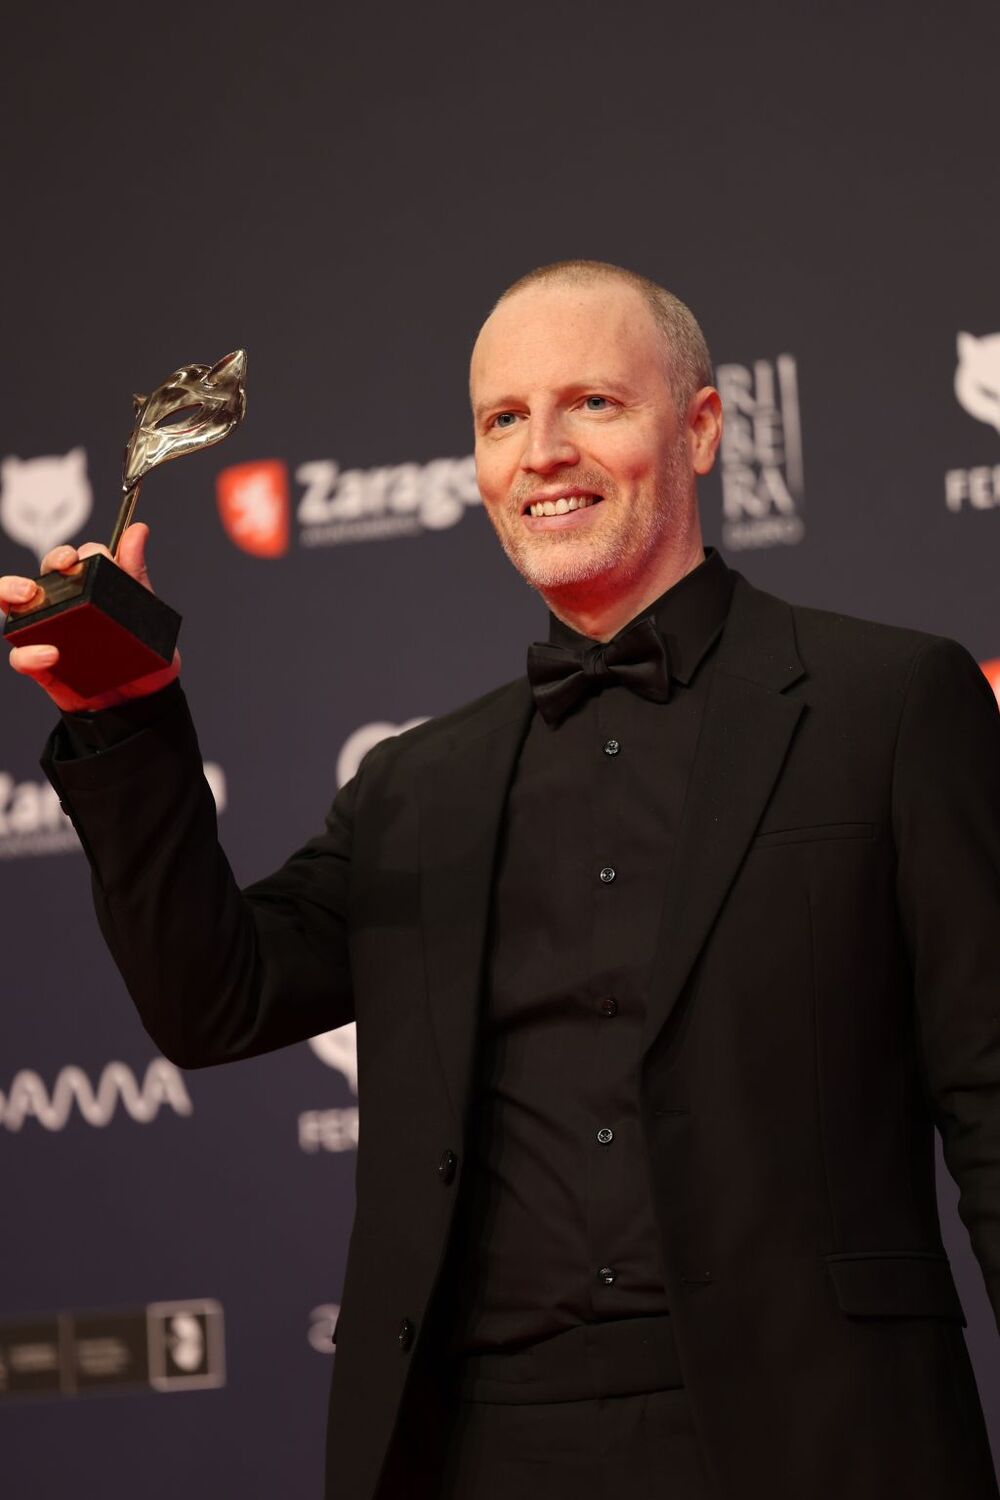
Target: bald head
{"x":688,"y":362}
{"x":590,"y":432}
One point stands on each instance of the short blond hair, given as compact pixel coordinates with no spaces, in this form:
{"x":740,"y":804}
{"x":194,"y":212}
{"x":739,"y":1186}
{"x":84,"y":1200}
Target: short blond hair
{"x":689,"y":362}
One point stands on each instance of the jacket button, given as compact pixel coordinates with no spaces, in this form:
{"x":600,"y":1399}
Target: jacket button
{"x":405,"y":1334}
{"x":447,"y":1165}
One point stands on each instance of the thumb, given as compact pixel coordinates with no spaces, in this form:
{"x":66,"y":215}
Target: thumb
{"x":132,"y":552}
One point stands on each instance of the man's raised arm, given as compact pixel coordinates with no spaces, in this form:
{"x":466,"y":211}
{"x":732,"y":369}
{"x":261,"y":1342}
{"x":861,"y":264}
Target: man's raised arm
{"x":216,"y":974}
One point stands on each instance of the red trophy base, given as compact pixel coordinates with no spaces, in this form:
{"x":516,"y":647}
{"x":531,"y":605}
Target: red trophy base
{"x":108,"y":628}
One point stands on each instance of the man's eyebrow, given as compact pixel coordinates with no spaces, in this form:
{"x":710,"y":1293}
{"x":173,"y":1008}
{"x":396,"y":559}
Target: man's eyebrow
{"x":494,"y":404}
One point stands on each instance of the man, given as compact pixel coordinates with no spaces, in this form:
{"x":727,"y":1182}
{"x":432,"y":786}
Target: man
{"x":666,"y":961}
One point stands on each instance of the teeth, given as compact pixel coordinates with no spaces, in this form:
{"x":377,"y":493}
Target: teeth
{"x":561,"y":506}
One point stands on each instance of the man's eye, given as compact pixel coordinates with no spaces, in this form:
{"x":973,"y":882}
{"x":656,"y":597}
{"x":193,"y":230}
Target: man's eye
{"x":602,"y":400}
{"x":504,"y":419}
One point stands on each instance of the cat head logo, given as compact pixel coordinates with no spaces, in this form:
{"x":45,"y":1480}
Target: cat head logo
{"x":44,"y":501}
{"x":977,"y":378}
{"x":254,"y":506}
{"x":338,"y":1049}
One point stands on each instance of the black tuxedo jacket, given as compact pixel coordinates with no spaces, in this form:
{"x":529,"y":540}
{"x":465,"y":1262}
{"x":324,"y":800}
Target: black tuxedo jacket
{"x":826,"y":990}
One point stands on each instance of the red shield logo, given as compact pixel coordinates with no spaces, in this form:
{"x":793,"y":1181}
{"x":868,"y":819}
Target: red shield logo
{"x":254,"y":505}
{"x":992,"y":670}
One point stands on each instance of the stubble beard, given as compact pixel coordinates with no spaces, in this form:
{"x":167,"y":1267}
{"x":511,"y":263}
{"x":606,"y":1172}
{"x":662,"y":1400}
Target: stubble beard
{"x":557,"y":559}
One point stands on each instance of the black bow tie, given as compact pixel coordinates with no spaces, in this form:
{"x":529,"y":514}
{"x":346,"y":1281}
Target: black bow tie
{"x":560,"y":675}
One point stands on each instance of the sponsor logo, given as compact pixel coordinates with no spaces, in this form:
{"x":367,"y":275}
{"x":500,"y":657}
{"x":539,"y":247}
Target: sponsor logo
{"x":43,"y":501}
{"x":339,"y":1049}
{"x":760,"y":458}
{"x":254,"y":506}
{"x":977,"y":390}
{"x":992,"y":671}
{"x":31,"y":820}
{"x":357,"y":745}
{"x":337,"y":505}
{"x":28,"y":1097}
{"x":164,"y":1346}
{"x":186,"y":1342}
{"x":322,"y":1322}
{"x":33,"y":823}
{"x":977,"y":488}
{"x":333,"y":1129}
{"x":977,"y":377}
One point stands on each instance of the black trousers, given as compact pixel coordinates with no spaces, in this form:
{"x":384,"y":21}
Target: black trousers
{"x":592,"y":1414}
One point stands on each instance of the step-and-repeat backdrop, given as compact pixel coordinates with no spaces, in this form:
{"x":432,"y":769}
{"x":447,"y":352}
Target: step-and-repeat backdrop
{"x":344,"y":191}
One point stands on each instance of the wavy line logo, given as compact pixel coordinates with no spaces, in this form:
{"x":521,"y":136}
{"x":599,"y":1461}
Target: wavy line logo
{"x":28,"y":1098}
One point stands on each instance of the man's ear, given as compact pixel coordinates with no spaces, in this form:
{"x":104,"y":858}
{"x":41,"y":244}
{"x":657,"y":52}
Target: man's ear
{"x":704,"y":418}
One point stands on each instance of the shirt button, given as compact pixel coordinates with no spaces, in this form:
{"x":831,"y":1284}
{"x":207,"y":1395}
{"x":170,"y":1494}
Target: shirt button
{"x":611,"y":747}
{"x":447,"y":1165}
{"x":605,"y":1136}
{"x":607,"y":874}
{"x":405,"y":1334}
{"x":608,"y":1006}
{"x":607,"y":1275}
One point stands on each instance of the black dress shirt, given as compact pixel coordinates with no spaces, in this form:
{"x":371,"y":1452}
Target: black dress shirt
{"x":555,"y":1223}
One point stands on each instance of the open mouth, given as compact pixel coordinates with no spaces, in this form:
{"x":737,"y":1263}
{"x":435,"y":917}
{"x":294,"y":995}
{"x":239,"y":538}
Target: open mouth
{"x":561,"y":506}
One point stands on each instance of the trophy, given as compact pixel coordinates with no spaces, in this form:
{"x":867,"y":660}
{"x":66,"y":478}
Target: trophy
{"x":110,"y":629}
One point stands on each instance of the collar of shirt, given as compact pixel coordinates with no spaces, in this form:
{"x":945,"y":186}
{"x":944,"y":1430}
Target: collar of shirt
{"x":689,"y":615}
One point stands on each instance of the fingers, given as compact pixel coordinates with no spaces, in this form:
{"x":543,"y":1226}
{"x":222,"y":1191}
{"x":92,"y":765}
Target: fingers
{"x":41,"y":663}
{"x":35,"y":661}
{"x":15,"y":591}
{"x":60,"y":560}
{"x":91,"y":549}
{"x":132,"y":552}
{"x":64,"y":559}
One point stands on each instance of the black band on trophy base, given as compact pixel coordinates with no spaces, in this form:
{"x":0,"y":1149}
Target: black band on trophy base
{"x":108,"y":628}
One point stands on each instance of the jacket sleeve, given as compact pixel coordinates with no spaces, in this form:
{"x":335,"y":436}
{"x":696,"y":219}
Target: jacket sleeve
{"x":216,"y":974}
{"x":946,"y":817}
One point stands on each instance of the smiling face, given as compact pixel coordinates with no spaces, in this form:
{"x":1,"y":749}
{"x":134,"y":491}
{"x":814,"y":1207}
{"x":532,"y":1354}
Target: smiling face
{"x":586,"y":470}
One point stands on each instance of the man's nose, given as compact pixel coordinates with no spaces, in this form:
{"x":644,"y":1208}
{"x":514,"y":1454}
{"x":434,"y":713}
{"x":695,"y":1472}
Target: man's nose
{"x":547,"y":446}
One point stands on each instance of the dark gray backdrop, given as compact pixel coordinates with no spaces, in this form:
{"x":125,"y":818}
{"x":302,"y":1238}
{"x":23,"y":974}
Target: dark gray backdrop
{"x":343,"y":190}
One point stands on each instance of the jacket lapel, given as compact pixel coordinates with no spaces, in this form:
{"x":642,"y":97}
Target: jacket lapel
{"x":463,"y":800}
{"x":745,"y":735}
{"x":747,"y":729}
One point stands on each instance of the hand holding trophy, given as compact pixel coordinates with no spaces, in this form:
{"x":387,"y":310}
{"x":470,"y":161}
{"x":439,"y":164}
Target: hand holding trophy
{"x":89,"y":629}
